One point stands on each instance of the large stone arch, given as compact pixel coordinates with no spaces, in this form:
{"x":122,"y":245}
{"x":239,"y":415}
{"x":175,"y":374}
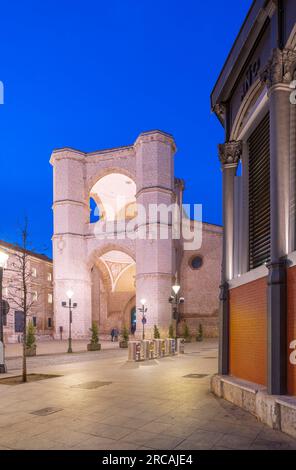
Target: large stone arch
{"x":77,"y":243}
{"x":110,"y":306}
{"x":99,"y":187}
{"x":102,"y":172}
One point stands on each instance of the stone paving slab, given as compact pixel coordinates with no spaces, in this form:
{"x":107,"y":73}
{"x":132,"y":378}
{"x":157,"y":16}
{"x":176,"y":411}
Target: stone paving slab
{"x":150,"y":407}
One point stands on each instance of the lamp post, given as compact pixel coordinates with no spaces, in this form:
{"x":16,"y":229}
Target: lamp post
{"x":3,"y":261}
{"x":175,"y":300}
{"x":70,"y":306}
{"x":143,"y":310}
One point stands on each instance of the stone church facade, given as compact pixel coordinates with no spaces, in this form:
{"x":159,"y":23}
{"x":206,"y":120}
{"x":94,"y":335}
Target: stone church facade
{"x":111,"y":256}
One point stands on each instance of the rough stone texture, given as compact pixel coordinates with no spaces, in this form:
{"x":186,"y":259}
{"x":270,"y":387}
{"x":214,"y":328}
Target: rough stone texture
{"x":288,"y":418}
{"x":268,"y":410}
{"x":217,"y":386}
{"x":233,"y":394}
{"x":249,"y":401}
{"x":78,"y":248}
{"x":200,"y":287}
{"x":277,"y":413}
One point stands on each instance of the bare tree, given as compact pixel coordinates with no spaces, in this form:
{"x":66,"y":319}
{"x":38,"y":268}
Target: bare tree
{"x":20,"y":287}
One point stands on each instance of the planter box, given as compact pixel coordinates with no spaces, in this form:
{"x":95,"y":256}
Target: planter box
{"x":31,"y":351}
{"x":123,"y":344}
{"x":199,"y":339}
{"x":94,"y":347}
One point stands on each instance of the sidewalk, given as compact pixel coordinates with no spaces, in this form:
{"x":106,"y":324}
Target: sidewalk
{"x":55,"y":347}
{"x":101,"y":401}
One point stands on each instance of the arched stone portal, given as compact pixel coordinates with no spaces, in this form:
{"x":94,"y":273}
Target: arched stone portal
{"x":87,"y":255}
{"x":113,"y":290}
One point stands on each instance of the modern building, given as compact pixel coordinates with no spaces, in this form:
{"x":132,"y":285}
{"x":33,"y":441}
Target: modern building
{"x":254,"y":99}
{"x":120,"y":236}
{"x":40,"y":289}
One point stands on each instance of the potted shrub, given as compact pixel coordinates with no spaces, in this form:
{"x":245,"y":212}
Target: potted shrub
{"x":94,"y":344}
{"x":156,"y":333}
{"x":125,"y":336}
{"x":30,"y":340}
{"x":171,"y":332}
{"x":186,"y":333}
{"x":199,"y":336}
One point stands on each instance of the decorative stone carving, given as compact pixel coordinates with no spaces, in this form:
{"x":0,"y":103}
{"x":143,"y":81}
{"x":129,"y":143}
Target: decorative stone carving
{"x":280,"y":68}
{"x":220,"y":110}
{"x":230,"y":152}
{"x":180,"y":183}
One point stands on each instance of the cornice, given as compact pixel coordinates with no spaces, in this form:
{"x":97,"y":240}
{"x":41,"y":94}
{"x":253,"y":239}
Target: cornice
{"x":155,"y":136}
{"x":280,"y":68}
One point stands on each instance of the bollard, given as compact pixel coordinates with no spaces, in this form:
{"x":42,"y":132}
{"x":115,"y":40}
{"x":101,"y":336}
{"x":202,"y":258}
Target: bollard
{"x":157,"y":348}
{"x":180,"y":345}
{"x":132,"y":347}
{"x":138,"y":351}
{"x":162,"y":350}
{"x":168,"y":348}
{"x":174,"y":341}
{"x":151,"y":349}
{"x":145,"y":349}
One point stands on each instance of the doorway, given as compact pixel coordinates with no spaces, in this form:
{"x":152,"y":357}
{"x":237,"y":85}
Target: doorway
{"x":133,"y":320}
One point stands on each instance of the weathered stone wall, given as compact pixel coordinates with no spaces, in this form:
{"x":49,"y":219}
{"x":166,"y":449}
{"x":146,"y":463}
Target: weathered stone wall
{"x":200,"y":287}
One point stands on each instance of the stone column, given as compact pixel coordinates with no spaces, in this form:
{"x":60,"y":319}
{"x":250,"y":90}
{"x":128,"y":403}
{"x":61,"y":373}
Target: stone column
{"x":229,"y":154}
{"x":71,"y":213}
{"x":278,"y":75}
{"x":155,"y":187}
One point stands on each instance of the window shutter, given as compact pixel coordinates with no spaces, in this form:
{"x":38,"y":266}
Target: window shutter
{"x":259,"y":195}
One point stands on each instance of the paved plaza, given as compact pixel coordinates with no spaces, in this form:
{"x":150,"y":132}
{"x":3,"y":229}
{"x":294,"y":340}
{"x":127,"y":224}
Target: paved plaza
{"x":101,"y":401}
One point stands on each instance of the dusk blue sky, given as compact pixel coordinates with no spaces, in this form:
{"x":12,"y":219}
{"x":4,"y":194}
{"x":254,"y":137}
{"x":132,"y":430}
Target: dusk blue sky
{"x":93,"y":74}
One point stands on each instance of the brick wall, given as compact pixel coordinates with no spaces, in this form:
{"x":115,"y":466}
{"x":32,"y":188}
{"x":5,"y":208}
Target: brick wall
{"x":248,"y":332}
{"x":291,"y":328}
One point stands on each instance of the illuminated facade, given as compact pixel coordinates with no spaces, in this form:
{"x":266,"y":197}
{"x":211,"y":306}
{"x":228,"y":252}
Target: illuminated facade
{"x":40,"y":286}
{"x":254,"y":99}
{"x":106,"y":257}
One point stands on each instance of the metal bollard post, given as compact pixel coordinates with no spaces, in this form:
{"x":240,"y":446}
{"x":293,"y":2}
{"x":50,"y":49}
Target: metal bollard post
{"x":138,"y":351}
{"x":180,"y":345}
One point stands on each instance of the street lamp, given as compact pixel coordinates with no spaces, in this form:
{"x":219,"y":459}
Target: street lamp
{"x":3,"y":261}
{"x":143,"y":310}
{"x":70,"y":306}
{"x":176,"y":300}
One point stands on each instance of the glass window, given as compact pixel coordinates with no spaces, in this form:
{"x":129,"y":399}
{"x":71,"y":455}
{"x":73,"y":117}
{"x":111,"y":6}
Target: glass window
{"x":196,"y":262}
{"x":49,"y":298}
{"x":49,"y":322}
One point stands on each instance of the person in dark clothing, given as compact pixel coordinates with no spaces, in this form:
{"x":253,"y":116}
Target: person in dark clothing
{"x":116,"y":334}
{"x":112,"y":334}
{"x":133,"y":329}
